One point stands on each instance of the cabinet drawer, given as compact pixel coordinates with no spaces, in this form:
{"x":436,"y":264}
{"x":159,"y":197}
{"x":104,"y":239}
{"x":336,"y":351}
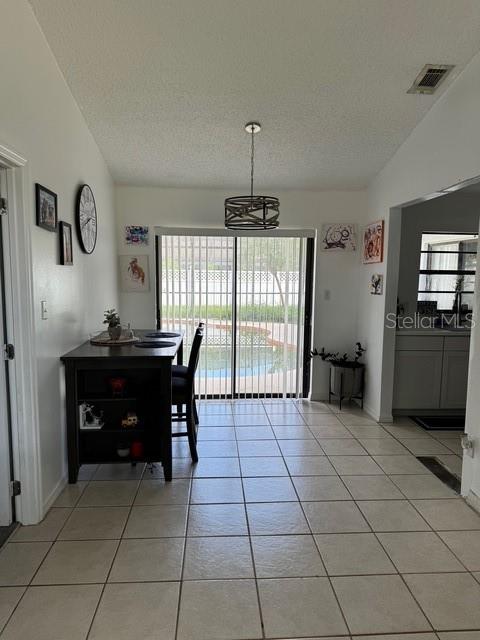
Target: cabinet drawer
{"x":457,"y":343}
{"x":419,"y":343}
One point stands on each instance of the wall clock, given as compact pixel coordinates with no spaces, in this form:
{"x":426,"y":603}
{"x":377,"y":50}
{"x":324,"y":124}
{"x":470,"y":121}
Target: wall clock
{"x":86,"y":215}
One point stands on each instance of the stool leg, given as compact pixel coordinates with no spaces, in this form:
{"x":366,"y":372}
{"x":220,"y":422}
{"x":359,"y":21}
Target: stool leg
{"x":195,"y":412}
{"x":192,"y":440}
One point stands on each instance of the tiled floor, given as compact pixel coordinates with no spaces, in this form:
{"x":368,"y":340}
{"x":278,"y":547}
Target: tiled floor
{"x":298,"y":522}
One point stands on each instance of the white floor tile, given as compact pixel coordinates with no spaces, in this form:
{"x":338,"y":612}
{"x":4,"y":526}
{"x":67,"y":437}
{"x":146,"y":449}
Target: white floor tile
{"x":217,"y":520}
{"x":419,"y":552}
{"x":294,"y":607}
{"x":19,"y":562}
{"x":219,"y":610}
{"x":148,"y":560}
{"x":212,"y":490}
{"x":465,"y":545}
{"x":349,"y":554}
{"x":269,"y":490}
{"x":378,"y":604}
{"x":136,"y":610}
{"x":215,"y":558}
{"x":54,"y":613}
{"x":286,"y":556}
{"x":276,"y":518}
{"x":449,"y":600}
{"x":334,"y":517}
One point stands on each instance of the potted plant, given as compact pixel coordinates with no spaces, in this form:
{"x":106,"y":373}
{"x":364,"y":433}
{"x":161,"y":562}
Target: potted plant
{"x":114,"y":327}
{"x":346,"y":374}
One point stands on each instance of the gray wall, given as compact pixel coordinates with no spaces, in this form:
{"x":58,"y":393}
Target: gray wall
{"x":451,"y":214}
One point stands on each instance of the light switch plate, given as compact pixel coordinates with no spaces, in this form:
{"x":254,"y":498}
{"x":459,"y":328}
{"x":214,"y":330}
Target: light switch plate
{"x":43,"y":304}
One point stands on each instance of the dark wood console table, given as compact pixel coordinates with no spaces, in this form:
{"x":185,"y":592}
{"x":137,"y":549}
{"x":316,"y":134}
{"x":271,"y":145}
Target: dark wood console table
{"x":147,"y":392}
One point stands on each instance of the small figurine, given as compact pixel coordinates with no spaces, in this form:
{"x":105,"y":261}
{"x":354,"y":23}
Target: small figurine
{"x":130,"y":420}
{"x":88,"y":418}
{"x":129,"y":332}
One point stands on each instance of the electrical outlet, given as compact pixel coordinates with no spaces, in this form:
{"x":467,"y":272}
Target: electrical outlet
{"x":43,"y":304}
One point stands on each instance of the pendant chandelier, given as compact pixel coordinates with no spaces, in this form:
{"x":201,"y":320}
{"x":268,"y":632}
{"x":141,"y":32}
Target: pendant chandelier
{"x":252,"y":212}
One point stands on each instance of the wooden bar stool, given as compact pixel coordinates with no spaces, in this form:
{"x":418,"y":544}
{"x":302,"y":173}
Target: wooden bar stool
{"x":183,"y":394}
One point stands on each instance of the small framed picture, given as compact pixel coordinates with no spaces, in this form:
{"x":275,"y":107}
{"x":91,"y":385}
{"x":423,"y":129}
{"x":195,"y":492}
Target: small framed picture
{"x":46,"y":208}
{"x":136,"y":235}
{"x":376,"y":284}
{"x":134,"y":273}
{"x":66,"y":249}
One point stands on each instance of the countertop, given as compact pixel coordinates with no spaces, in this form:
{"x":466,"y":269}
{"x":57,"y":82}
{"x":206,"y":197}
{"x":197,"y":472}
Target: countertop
{"x":433,"y":332}
{"x":89,"y":351}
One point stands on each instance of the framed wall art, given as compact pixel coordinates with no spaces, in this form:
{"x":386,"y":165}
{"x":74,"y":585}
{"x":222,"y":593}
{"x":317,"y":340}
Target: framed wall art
{"x":66,"y":243}
{"x":373,"y":242}
{"x":46,"y":208}
{"x":134,"y":273}
{"x":376,"y":284}
{"x":338,"y":236}
{"x":136,"y":235}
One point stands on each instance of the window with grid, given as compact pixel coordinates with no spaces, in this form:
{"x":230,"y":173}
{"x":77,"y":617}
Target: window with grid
{"x":447,"y":271}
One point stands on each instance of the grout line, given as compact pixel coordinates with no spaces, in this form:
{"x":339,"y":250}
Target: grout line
{"x":252,"y":555}
{"x":180,"y":588}
{"x":115,"y":554}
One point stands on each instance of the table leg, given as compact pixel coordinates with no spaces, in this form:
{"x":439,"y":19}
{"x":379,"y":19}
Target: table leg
{"x":165,"y":410}
{"x":72,"y":423}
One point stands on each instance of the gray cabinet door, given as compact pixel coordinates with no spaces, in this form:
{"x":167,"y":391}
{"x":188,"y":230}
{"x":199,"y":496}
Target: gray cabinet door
{"x":454,"y":380}
{"x":418,"y":379}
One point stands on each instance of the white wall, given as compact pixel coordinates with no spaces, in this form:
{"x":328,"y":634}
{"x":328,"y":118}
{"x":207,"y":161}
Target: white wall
{"x":40,"y":120}
{"x":454,"y":213}
{"x":444,"y":149}
{"x":335,"y":319}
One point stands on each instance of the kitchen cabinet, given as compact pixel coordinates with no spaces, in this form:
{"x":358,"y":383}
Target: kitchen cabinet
{"x":453,"y":393}
{"x":431,"y":371}
{"x":418,"y":376}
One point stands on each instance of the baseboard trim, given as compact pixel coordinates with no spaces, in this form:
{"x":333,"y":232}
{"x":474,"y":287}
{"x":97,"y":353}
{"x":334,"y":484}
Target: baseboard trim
{"x":56,"y":491}
{"x":473,"y":500}
{"x":317,"y":397}
{"x":371,"y":413}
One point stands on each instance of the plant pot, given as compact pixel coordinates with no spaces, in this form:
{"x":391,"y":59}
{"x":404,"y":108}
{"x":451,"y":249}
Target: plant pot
{"x":115,"y":332}
{"x":346,"y":379}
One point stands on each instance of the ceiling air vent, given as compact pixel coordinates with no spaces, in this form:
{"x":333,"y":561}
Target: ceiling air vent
{"x":430,"y":77}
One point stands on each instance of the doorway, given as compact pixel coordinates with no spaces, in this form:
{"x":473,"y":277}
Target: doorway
{"x":7,"y":504}
{"x":254,"y":294}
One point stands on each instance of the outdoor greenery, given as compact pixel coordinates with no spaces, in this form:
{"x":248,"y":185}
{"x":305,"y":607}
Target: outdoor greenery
{"x":251,"y":312}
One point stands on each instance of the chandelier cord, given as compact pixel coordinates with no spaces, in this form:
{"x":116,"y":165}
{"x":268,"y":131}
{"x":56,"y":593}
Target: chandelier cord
{"x":252,"y":159}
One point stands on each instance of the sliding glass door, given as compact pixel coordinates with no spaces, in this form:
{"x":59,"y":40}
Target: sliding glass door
{"x":253,"y":293}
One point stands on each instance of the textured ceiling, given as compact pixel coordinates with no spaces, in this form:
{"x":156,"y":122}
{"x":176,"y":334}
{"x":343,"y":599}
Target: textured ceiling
{"x":167,"y":85}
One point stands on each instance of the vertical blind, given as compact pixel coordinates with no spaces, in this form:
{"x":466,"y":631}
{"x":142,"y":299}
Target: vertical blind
{"x":250,"y":293}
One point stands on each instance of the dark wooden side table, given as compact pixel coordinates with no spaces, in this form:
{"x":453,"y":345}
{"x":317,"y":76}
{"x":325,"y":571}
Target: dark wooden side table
{"x":146,"y":393}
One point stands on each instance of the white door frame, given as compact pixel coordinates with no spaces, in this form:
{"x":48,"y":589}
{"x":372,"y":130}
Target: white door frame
{"x":6,"y":515}
{"x":21,"y":333}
